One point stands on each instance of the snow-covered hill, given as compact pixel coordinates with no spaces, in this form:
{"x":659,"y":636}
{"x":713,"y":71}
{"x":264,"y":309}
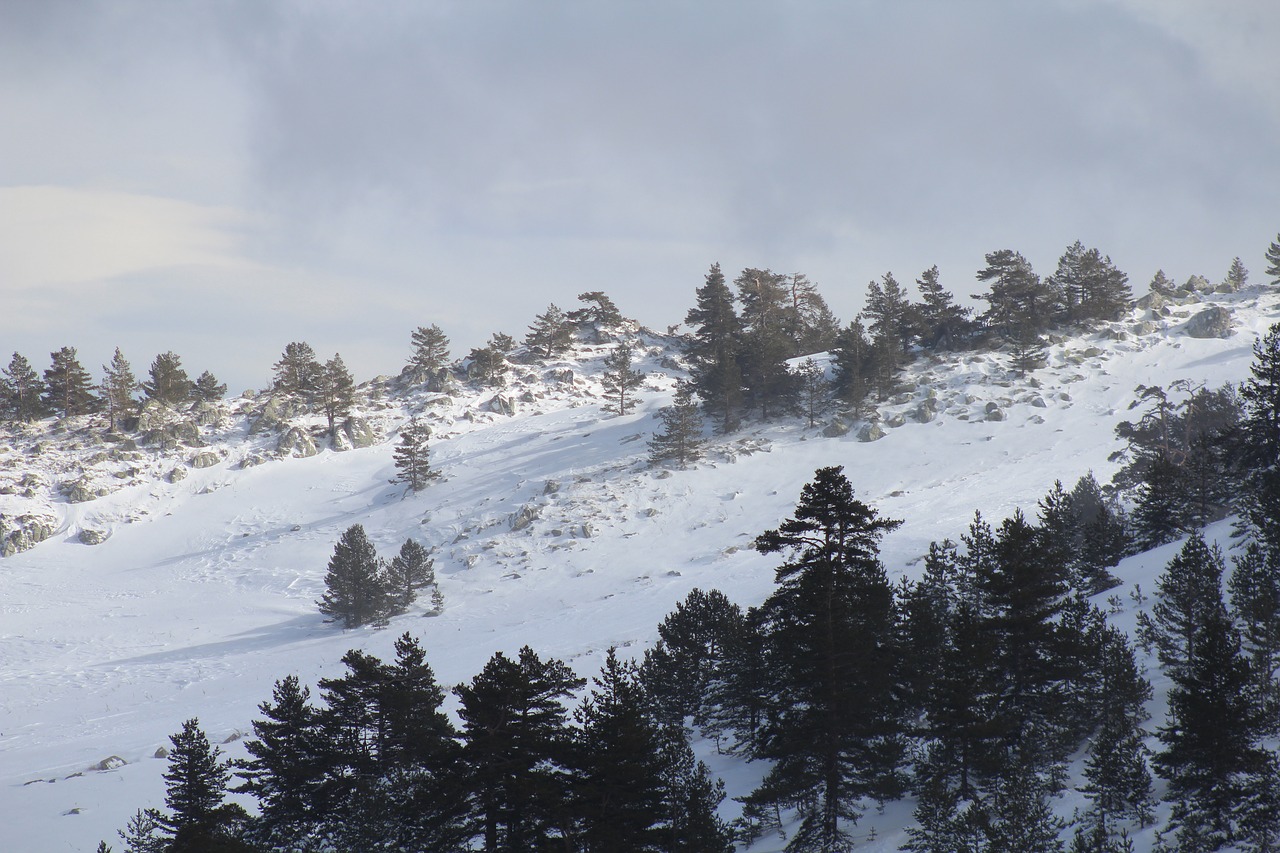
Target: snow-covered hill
{"x":549,"y":529}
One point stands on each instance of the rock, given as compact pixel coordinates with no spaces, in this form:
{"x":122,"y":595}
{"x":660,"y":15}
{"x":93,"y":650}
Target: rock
{"x":82,"y":491}
{"x":1144,"y":327}
{"x":205,"y":459}
{"x":1151,"y":302}
{"x":252,"y":460}
{"x":177,"y":475}
{"x":499,"y":404}
{"x":836,"y":428}
{"x":994,"y":412}
{"x":93,"y":537}
{"x":278,"y":409}
{"x":22,"y":532}
{"x":161,"y":752}
{"x":871,"y":432}
{"x":109,"y":763}
{"x":206,"y":413}
{"x":359,"y":432}
{"x":551,"y":487}
{"x":1212,"y":322}
{"x":296,"y":442}
{"x":525,"y":517}
{"x":895,"y":420}
{"x":927,"y":410}
{"x":1039,"y":403}
{"x":155,"y":415}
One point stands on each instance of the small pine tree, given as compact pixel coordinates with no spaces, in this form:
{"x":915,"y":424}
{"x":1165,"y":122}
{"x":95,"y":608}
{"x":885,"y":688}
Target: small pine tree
{"x":1273,"y":260}
{"x":409,"y":571}
{"x":336,"y":392}
{"x":815,"y":391}
{"x":144,"y":833}
{"x":68,"y":389}
{"x":621,"y":379}
{"x":196,"y":784}
{"x":430,"y":352}
{"x":1237,"y":276}
{"x":168,"y":381}
{"x":209,"y":389}
{"x":680,"y":439}
{"x":599,"y":309}
{"x":488,"y":364}
{"x":411,"y":458}
{"x":297,"y":373}
{"x":22,"y":391}
{"x":355,"y":589}
{"x":551,"y":332}
{"x":118,"y":385}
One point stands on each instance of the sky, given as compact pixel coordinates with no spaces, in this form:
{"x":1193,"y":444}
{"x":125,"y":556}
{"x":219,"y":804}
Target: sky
{"x":219,"y":179}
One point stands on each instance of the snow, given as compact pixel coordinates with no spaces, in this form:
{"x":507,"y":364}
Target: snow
{"x":204,"y":593}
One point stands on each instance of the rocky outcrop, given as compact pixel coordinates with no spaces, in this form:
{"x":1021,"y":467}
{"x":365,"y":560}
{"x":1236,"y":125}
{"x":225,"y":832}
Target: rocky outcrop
{"x":296,"y":442}
{"x":359,"y":432}
{"x":205,"y":459}
{"x":1212,"y":322}
{"x":871,"y":432}
{"x":93,"y":537}
{"x":18,"y":533}
{"x":83,"y":490}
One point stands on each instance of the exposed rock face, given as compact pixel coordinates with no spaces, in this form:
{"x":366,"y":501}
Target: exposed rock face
{"x":871,"y":432}
{"x":177,"y":475}
{"x":205,"y":459}
{"x":994,"y":412}
{"x":836,"y":428}
{"x":525,"y":517}
{"x":18,"y":533}
{"x":82,"y":491}
{"x":275,"y":412}
{"x":1212,"y":322}
{"x":93,"y":537}
{"x":359,"y":432}
{"x":297,"y":442}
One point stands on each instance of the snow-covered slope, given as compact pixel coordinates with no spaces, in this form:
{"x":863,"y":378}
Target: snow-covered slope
{"x":549,"y":530}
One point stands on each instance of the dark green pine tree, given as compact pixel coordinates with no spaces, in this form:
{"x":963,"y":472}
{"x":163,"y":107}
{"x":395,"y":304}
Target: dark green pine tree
{"x":680,"y":439}
{"x":209,"y":389}
{"x":939,"y":322}
{"x":812,"y":326}
{"x":1020,"y":816}
{"x":551,"y":333}
{"x":1018,"y":300}
{"x":814,"y":390}
{"x":516,"y":752}
{"x":430,"y":354}
{"x":621,"y":379}
{"x":1161,"y":512}
{"x":335,"y":392}
{"x":693,"y":641}
{"x":488,"y":364}
{"x":1254,"y":586}
{"x":1261,"y":393}
{"x":715,"y":350}
{"x":118,"y":387}
{"x":68,"y":390}
{"x":1273,"y":260}
{"x":167,"y":380}
{"x":143,"y":833}
{"x":1188,"y":593}
{"x":287,"y":767}
{"x":298,"y":374}
{"x":766,"y":344}
{"x":618,"y":797}
{"x":598,"y":309}
{"x":22,"y":391}
{"x":1070,"y":281}
{"x":355,"y":589}
{"x":408,"y":572}
{"x":411,"y":456}
{"x":195,"y":787}
{"x":889,"y":319}
{"x":838,"y":735}
{"x":1102,"y":538}
{"x":854,"y":365}
{"x":690,"y":797}
{"x":738,"y":704}
{"x":1237,"y":276}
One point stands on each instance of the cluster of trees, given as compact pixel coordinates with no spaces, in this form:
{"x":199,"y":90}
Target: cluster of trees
{"x":361,"y":588}
{"x":66,"y":389}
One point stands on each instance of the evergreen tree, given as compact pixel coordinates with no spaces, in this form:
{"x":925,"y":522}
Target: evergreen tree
{"x":335,"y":392}
{"x":619,"y":791}
{"x":551,"y":333}
{"x":598,"y":309}
{"x":195,"y":786}
{"x":298,"y":373}
{"x":1019,"y":301}
{"x":854,"y":364}
{"x":815,"y":391}
{"x":889,"y":318}
{"x":22,"y":390}
{"x":1162,"y":284}
{"x":209,"y":389}
{"x":488,"y":364}
{"x":430,"y":353}
{"x":68,"y":390}
{"x":1261,"y":394}
{"x":739,"y":694}
{"x":144,"y":833}
{"x":690,"y":798}
{"x":1188,"y":594}
{"x":409,"y":571}
{"x":1273,"y":260}
{"x":693,"y":642}
{"x":1161,"y":513}
{"x":286,"y":770}
{"x":1255,"y":605}
{"x":1020,"y":817}
{"x":812,"y":326}
{"x":620,"y":379}
{"x":766,"y":344}
{"x":413,"y":467}
{"x":355,"y":590}
{"x":168,"y":381}
{"x":516,"y":750}
{"x":118,"y":385}
{"x":680,"y":439}
{"x":939,"y":322}
{"x":838,"y":735}
{"x":1237,"y":276}
{"x":714,"y":351}
{"x":1090,"y":286}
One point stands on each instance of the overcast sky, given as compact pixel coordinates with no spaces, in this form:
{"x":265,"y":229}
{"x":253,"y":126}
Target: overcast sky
{"x":222,"y":178}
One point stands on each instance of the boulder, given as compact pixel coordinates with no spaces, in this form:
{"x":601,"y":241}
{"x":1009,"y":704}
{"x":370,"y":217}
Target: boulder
{"x":871,"y":432}
{"x":177,"y":475}
{"x":927,"y":410}
{"x":994,"y":412}
{"x":82,"y":491}
{"x":296,"y":442}
{"x":836,"y":428}
{"x":359,"y":432}
{"x":24,"y":531}
{"x":205,"y":459}
{"x":895,"y":420}
{"x":1212,"y":322}
{"x":93,"y":537}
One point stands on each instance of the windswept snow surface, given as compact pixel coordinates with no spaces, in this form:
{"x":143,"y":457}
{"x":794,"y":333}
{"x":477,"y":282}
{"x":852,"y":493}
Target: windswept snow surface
{"x":196,"y":610}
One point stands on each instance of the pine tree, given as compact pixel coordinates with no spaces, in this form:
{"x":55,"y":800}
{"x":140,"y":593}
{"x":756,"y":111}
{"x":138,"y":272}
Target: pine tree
{"x":1273,"y":260}
{"x":209,"y":389}
{"x":144,"y":833}
{"x":22,"y":390}
{"x":355,"y":590}
{"x":619,"y":794}
{"x":694,"y":640}
{"x":690,"y":799}
{"x":430,"y":353}
{"x":811,"y":325}
{"x":940,"y":323}
{"x":118,"y":385}
{"x":854,"y":364}
{"x":889,"y":318}
{"x":1261,"y":393}
{"x":411,"y":457}
{"x":298,"y":373}
{"x":838,"y":735}
{"x":620,"y":379}
{"x":1255,"y":605}
{"x":551,"y":333}
{"x":1161,"y":284}
{"x":335,"y":392}
{"x":1188,"y":593}
{"x":815,"y":391}
{"x":714,"y":351}
{"x":488,"y":364}
{"x":1237,"y":276}
{"x":409,"y":571}
{"x":68,"y":389}
{"x":680,"y":439}
{"x":766,"y":344}
{"x":195,"y":786}
{"x":168,"y":382}
{"x":1018,"y":299}
{"x":1161,"y":513}
{"x":516,"y":750}
{"x":599,"y":309}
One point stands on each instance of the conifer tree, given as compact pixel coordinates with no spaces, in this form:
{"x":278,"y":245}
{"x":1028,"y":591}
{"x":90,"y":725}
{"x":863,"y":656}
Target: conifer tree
{"x":168,"y":381}
{"x":1255,"y":604}
{"x":409,"y":571}
{"x":1162,"y":284}
{"x":1188,"y":593}
{"x":298,"y":373}
{"x":766,"y":344}
{"x":68,"y":390}
{"x":144,"y":833}
{"x":516,"y":750}
{"x":620,"y":379}
{"x":355,"y":589}
{"x":118,"y":385}
{"x":335,"y":392}
{"x":690,"y":798}
{"x":1273,"y":260}
{"x":22,"y":390}
{"x":815,"y":391}
{"x":889,"y":318}
{"x":598,"y":309}
{"x":812,"y":326}
{"x":488,"y":364}
{"x":551,"y":333}
{"x":940,"y":323}
{"x":694,"y":640}
{"x":430,"y":352}
{"x":1161,"y":513}
{"x":680,"y":439}
{"x":209,"y":389}
{"x":411,"y":456}
{"x":1261,"y":393}
{"x":854,"y":364}
{"x":715,"y":349}
{"x":838,"y":733}
{"x":1018,"y":299}
{"x":195,"y":786}
{"x":1237,"y":276}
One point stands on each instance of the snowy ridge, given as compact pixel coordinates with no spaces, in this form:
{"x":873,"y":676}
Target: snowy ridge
{"x":548,"y":526}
